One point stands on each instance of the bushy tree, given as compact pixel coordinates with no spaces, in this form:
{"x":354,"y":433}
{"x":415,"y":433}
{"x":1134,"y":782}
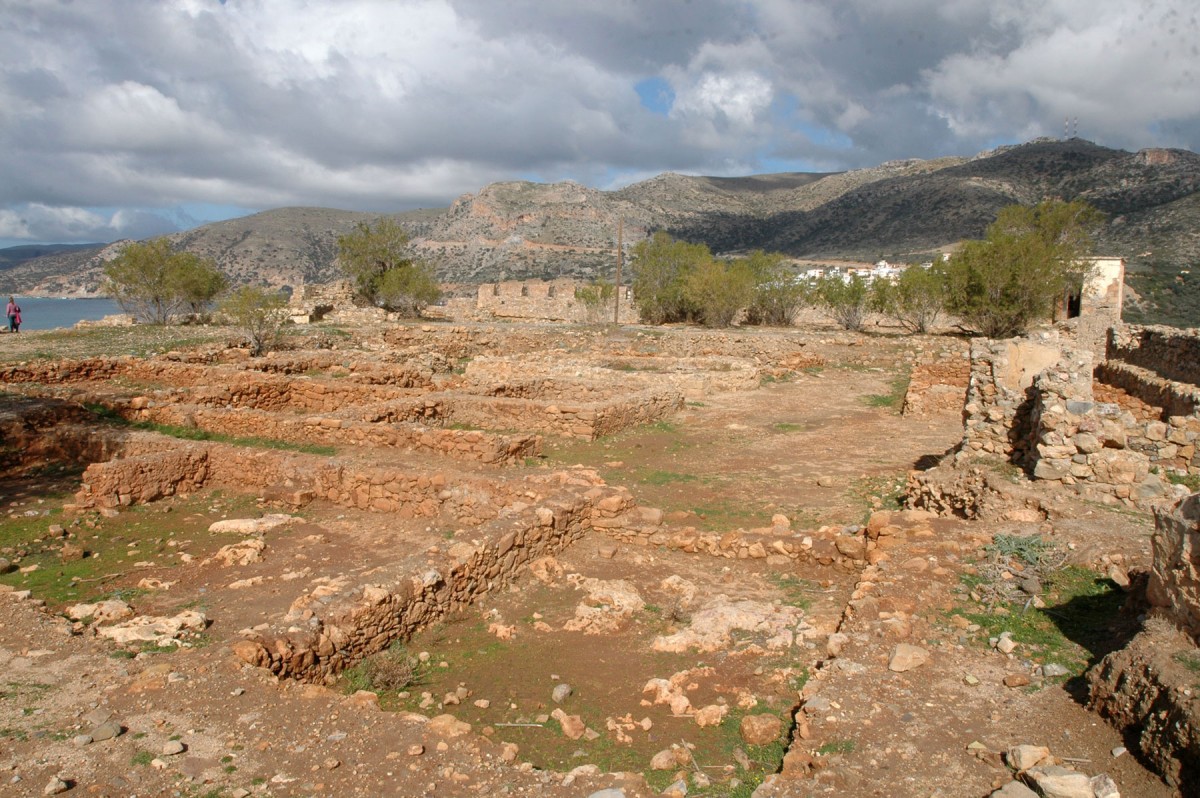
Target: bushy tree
{"x":916,"y":299}
{"x":661,"y":268}
{"x":847,"y":301}
{"x":259,"y":314}
{"x":1015,"y":276}
{"x":153,"y":282}
{"x":376,"y":258}
{"x":778,"y":294}
{"x":718,"y":290}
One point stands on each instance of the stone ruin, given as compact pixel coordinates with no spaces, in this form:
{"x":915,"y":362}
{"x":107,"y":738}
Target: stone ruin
{"x":1111,"y":431}
{"x":408,"y":407}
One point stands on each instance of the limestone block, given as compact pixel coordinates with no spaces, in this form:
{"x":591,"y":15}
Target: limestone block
{"x":1175,"y":575}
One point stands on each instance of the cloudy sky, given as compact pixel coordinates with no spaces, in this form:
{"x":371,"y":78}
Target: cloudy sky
{"x":129,"y":118}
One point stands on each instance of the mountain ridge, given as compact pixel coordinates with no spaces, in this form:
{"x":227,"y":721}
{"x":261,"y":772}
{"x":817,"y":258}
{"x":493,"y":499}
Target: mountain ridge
{"x":524,"y":230}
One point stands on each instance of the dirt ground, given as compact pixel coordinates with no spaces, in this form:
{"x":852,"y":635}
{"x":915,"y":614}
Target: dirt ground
{"x":824,"y":447}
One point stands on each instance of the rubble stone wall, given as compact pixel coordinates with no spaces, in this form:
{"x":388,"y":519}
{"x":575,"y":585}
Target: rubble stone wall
{"x":999,"y":397}
{"x":1174,"y":587}
{"x":588,"y":420}
{"x":152,"y":467}
{"x":937,"y":387}
{"x":1171,"y":353}
{"x":548,"y":300}
{"x":471,"y":445}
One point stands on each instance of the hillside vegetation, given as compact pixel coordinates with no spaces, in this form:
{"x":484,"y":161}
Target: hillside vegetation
{"x":901,"y":209}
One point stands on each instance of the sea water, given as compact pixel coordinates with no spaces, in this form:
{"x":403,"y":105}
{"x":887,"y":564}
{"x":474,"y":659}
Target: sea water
{"x":48,"y":314}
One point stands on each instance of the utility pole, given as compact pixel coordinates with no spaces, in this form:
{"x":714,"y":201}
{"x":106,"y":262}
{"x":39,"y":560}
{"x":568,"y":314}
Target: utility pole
{"x":617,"y":285}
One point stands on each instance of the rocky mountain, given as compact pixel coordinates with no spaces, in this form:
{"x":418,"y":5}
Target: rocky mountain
{"x":520,"y":230}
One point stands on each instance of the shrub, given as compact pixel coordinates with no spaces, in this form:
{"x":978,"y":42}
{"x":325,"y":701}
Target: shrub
{"x":259,"y":314}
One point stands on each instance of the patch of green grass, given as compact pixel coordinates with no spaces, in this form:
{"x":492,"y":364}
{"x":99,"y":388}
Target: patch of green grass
{"x":894,"y":397}
{"x":837,"y":747}
{"x":769,"y":379}
{"x":1071,"y":630}
{"x":142,"y":758}
{"x":785,"y":427}
{"x":1190,"y":481}
{"x":109,"y":415}
{"x":796,"y":591}
{"x":656,"y":476}
{"x":1189,"y":660}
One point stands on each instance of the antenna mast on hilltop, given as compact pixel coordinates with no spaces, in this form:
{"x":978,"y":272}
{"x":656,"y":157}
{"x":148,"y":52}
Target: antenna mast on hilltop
{"x":1066,"y":128}
{"x":1076,"y":135}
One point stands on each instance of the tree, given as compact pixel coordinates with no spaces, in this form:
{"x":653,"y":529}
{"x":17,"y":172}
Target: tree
{"x":661,"y":268}
{"x":260,"y":315}
{"x":1030,"y":258}
{"x":778,"y":293}
{"x":199,"y":282}
{"x":153,"y":283}
{"x":916,"y":299}
{"x":376,"y":259}
{"x":718,"y":290}
{"x":847,"y":301}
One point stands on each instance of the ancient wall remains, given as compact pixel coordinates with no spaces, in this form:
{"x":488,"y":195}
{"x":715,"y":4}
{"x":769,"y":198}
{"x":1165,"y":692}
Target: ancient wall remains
{"x":996,"y":415}
{"x":1174,"y":587}
{"x":937,"y":386}
{"x":549,"y":300}
{"x":1171,"y":353}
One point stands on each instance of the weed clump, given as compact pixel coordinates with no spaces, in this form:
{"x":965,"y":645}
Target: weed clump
{"x":390,"y":670}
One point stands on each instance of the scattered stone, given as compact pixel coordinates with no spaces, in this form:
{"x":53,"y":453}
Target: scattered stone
{"x":836,"y":642}
{"x":416,"y":749}
{"x":1104,"y":786}
{"x":55,"y":786}
{"x":82,"y":740}
{"x":825,"y":481}
{"x":252,"y":526}
{"x":101,"y":611}
{"x":5,"y":566}
{"x":676,"y":790}
{"x":106,"y":731}
{"x":448,"y":726}
{"x":1023,"y":757}
{"x":607,"y":551}
{"x":1006,"y":645}
{"x":610,"y":792}
{"x":761,"y":729}
{"x":711,"y":715}
{"x":173,"y":747}
{"x":1119,"y":751}
{"x":573,"y":726}
{"x":1053,"y":670}
{"x":906,"y":657}
{"x":1014,"y":789}
{"x":1016,"y":680}
{"x":561,"y":693}
{"x":970,"y":680}
{"x":1055,"y":781}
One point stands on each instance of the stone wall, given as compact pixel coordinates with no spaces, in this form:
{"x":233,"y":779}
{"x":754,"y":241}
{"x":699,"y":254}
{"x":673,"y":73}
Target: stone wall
{"x":1171,"y":353}
{"x":999,"y":401}
{"x":469,"y":445}
{"x":938,"y":386}
{"x":1174,"y":587}
{"x":548,"y":300}
{"x":367,"y":619}
{"x":152,"y":467}
{"x":579,"y":419}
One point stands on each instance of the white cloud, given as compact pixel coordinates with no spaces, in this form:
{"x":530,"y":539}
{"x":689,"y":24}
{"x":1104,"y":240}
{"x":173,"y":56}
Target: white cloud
{"x":387,"y":104}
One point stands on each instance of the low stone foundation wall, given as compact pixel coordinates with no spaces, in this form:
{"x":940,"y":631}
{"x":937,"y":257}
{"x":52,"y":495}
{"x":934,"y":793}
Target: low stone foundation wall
{"x":588,"y":420}
{"x":372,"y":617}
{"x":1174,"y":398}
{"x":937,"y":387}
{"x":205,"y":369}
{"x":34,"y":432}
{"x":468,"y":445}
{"x":1171,"y":353}
{"x":152,"y":467}
{"x":367,"y":619}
